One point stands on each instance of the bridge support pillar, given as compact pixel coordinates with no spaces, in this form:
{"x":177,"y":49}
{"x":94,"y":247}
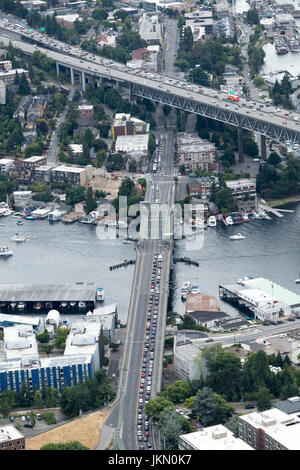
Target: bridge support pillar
{"x":240,"y":145}
{"x":183,"y":117}
{"x":57,"y":68}
{"x":263,"y":147}
{"x":83,"y":84}
{"x":72,"y":76}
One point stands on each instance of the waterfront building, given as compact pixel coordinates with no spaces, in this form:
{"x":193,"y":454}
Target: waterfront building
{"x":22,"y":198}
{"x":244,"y":192}
{"x":212,"y":438}
{"x":265,"y":299}
{"x":270,"y":430}
{"x":11,"y":438}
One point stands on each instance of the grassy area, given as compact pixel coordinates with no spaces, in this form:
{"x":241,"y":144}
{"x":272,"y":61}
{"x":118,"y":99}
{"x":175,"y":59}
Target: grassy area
{"x":284,"y":201}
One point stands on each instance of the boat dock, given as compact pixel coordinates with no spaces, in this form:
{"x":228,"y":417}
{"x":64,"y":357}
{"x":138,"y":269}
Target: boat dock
{"x":53,"y":294}
{"x":122,"y":265}
{"x":186,"y":260}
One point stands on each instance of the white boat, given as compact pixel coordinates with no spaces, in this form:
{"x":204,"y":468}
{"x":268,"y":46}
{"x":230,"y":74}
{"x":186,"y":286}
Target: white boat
{"x":21,"y":306}
{"x":239,"y":236}
{"x":128,"y":242}
{"x":18,"y":238}
{"x":297,"y":281}
{"x":5,"y":251}
{"x":229,"y":220}
{"x":13,"y":305}
{"x":195,"y":290}
{"x":186,"y":287}
{"x":81,"y":305}
{"x":100,"y":294}
{"x":245,"y":217}
{"x":212,"y":221}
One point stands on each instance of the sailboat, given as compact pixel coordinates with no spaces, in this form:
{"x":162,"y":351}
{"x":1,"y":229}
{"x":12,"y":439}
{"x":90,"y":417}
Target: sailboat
{"x":297,"y":281}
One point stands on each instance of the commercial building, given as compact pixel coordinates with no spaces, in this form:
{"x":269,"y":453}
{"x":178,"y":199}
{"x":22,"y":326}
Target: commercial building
{"x":270,"y":430}
{"x":68,"y":21}
{"x":11,"y":438}
{"x":244,"y":192}
{"x":150,"y":29}
{"x":6,"y":164}
{"x":194,"y":152}
{"x":209,"y":318}
{"x":72,"y":175}
{"x":212,"y":438}
{"x":263,"y":298}
{"x":133,"y":144}
{"x":124,"y":124}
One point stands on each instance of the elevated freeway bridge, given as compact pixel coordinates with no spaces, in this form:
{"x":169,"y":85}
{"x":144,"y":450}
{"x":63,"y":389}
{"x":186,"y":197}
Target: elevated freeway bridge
{"x":270,"y":122}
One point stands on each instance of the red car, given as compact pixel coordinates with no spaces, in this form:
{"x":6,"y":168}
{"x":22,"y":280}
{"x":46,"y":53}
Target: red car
{"x":143,"y":375}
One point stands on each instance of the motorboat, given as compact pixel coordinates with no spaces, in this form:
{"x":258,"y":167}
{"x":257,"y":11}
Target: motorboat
{"x":229,"y":220}
{"x":297,"y":281}
{"x":186,"y":287}
{"x":21,"y":306}
{"x":64,"y":304}
{"x":195,"y":290}
{"x":5,"y":251}
{"x":238,"y":236}
{"x":245,"y":217}
{"x":18,"y":238}
{"x":13,"y":305}
{"x":128,"y":242}
{"x":212,"y":221}
{"x":100,"y":294}
{"x":37,"y":306}
{"x":73,"y":304}
{"x":19,"y":222}
{"x":81,"y":305}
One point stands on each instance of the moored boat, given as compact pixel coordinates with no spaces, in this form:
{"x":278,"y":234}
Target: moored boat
{"x":238,"y":236}
{"x":5,"y":251}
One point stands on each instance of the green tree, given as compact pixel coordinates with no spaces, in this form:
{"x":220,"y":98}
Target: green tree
{"x":179,"y":391}
{"x":90,"y":201}
{"x":38,"y":399}
{"x":156,"y":405}
{"x":263,"y":397}
{"x":170,"y":426}
{"x":210,"y":408}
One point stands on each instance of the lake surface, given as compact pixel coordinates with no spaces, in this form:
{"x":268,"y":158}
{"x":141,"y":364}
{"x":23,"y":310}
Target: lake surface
{"x":59,"y":253}
{"x":271,"y":249}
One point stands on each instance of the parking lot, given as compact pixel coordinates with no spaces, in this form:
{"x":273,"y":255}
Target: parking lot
{"x":288,"y":343}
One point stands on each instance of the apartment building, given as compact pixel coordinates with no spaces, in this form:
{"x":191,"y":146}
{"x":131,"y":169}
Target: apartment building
{"x":8,"y":76}
{"x":194,"y":152}
{"x":11,"y":438}
{"x":72,"y":175}
{"x":271,"y":430}
{"x":212,"y":438}
{"x":244,"y":192}
{"x":6,"y":164}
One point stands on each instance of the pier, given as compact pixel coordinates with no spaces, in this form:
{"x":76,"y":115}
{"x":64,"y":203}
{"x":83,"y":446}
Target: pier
{"x":122,"y":265}
{"x":186,"y":260}
{"x":53,"y":294}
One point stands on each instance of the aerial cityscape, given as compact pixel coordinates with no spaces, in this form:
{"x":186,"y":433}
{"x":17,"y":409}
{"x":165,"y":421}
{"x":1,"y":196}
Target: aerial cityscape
{"x":149,"y":227}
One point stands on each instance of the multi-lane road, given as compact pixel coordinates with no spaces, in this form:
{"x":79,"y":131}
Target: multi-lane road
{"x":276,"y":123}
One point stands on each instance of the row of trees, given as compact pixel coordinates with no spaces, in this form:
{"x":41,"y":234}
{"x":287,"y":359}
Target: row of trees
{"x":92,"y":394}
{"x":276,"y":181}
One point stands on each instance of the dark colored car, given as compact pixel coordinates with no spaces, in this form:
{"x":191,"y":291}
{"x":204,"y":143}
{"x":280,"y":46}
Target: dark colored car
{"x":249,"y":407}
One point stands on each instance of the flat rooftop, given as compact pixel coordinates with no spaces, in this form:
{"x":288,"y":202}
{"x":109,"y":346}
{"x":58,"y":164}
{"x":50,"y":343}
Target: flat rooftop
{"x":201,"y":302}
{"x":48,"y":292}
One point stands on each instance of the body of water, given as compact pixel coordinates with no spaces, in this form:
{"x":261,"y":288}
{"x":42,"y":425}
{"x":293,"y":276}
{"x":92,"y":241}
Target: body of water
{"x":271,"y":250}
{"x":64,"y":254}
